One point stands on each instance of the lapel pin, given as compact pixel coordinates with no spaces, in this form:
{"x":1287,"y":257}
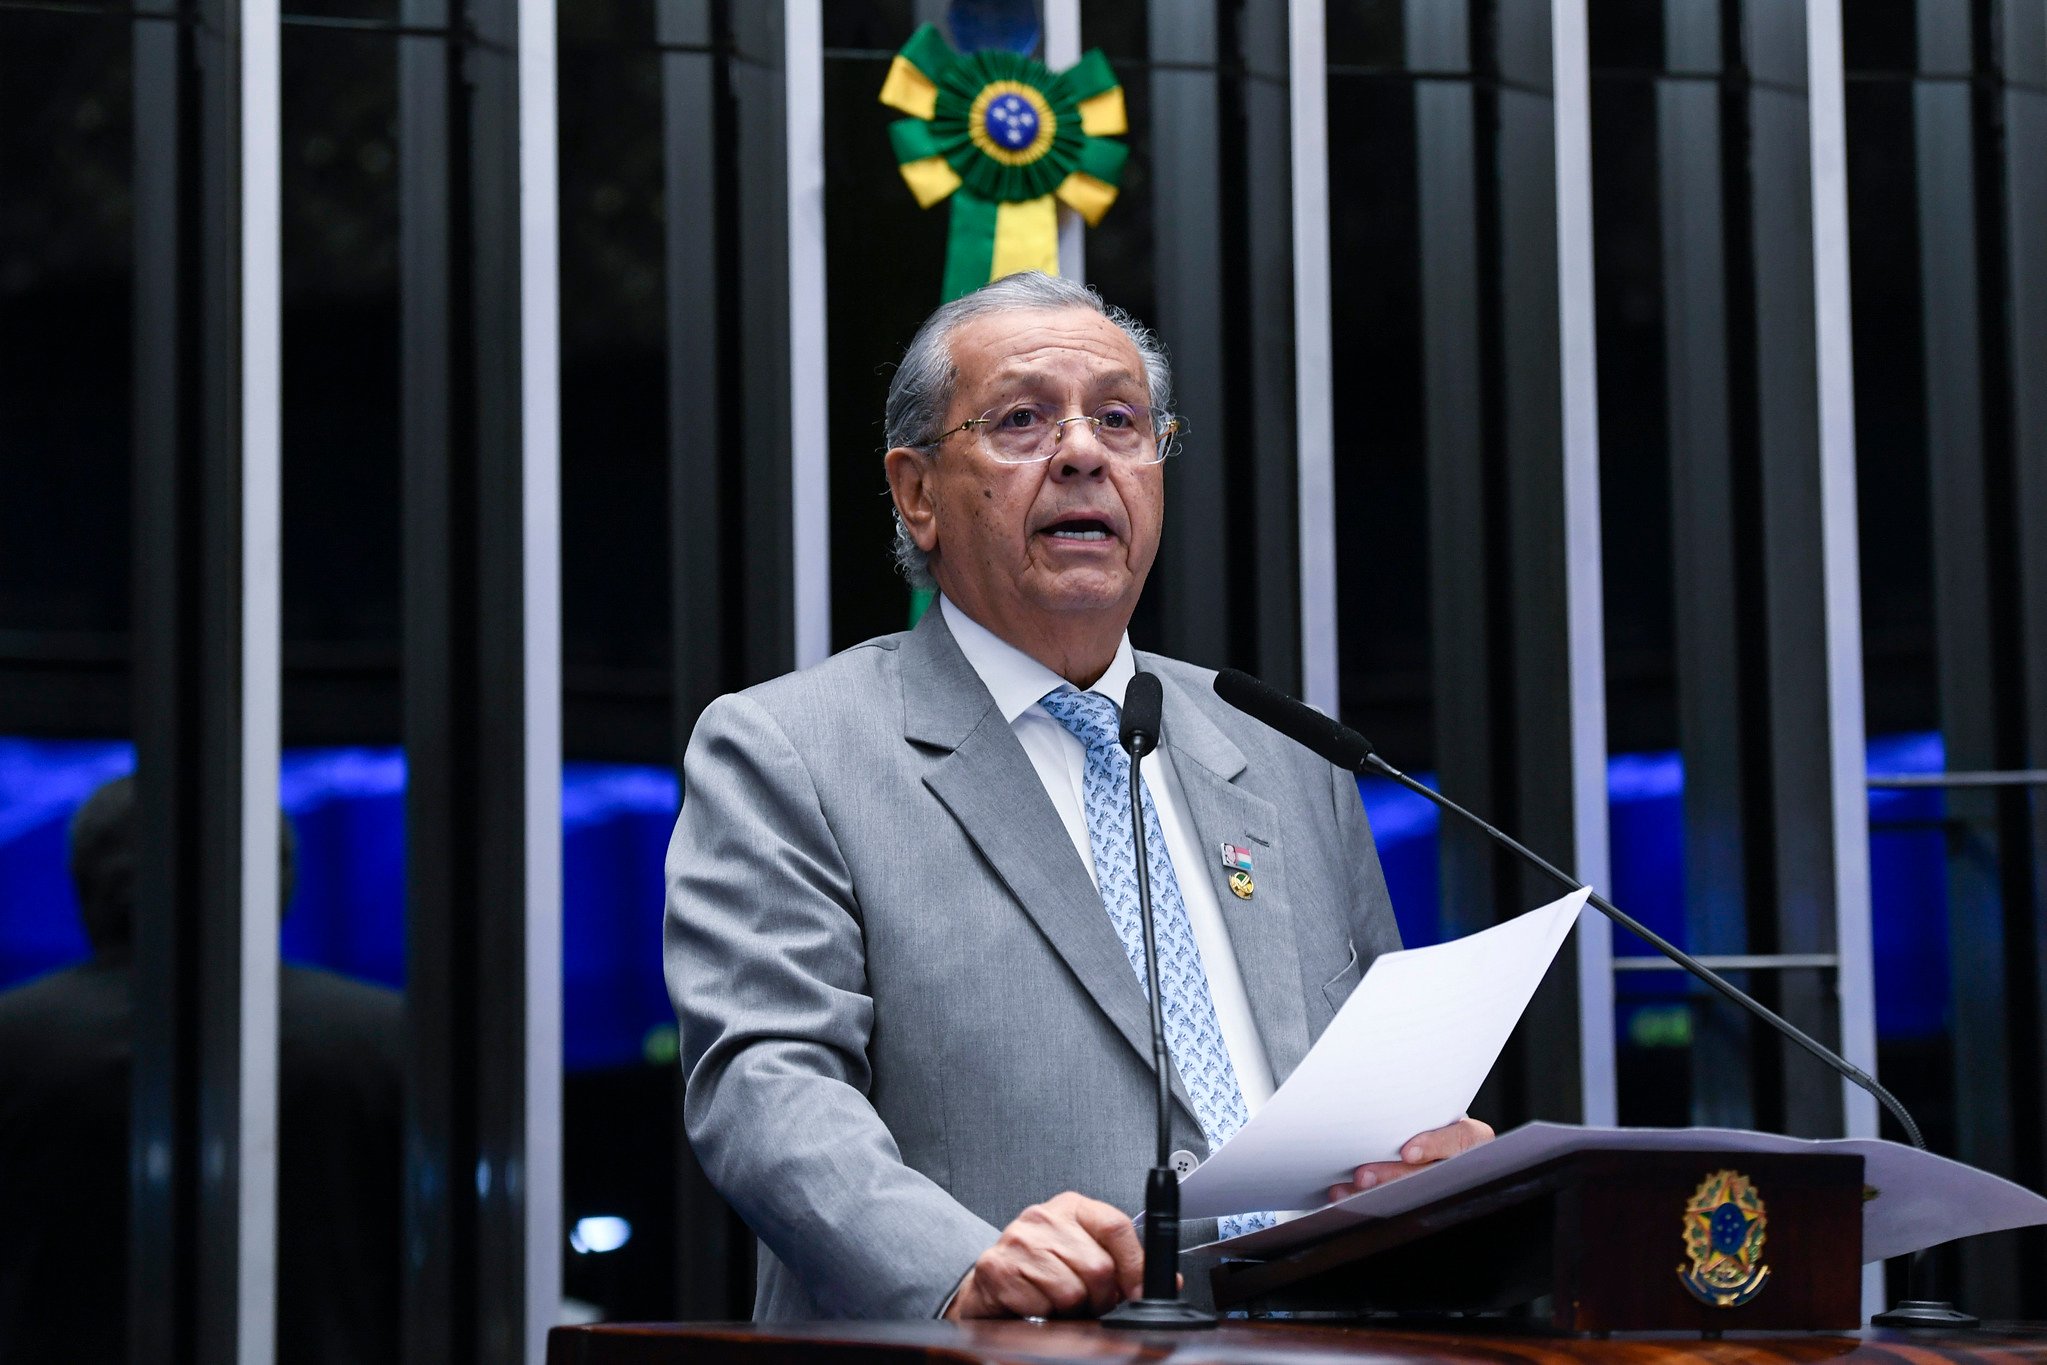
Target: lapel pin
{"x":1237,"y":861}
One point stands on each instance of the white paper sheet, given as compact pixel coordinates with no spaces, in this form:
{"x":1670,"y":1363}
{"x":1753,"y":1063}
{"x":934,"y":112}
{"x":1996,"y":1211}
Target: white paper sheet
{"x":1922,"y":1200}
{"x":1406,"y":1053}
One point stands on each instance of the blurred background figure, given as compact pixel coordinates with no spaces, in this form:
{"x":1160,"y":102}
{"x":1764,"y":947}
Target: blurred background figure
{"x":66,"y":1042}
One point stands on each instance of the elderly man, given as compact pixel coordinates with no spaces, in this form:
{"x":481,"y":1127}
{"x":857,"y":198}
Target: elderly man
{"x":902,"y":935}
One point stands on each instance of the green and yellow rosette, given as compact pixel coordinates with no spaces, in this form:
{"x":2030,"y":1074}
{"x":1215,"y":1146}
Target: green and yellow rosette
{"x":1007,"y":141}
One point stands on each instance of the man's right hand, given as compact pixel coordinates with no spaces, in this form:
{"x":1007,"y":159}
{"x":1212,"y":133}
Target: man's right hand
{"x":1070,"y":1256}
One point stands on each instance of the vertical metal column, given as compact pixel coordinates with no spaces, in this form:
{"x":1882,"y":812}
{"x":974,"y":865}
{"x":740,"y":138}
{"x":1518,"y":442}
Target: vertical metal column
{"x":1062,"y":47}
{"x":1841,"y":579}
{"x":534,"y":1168}
{"x":809,"y":445}
{"x":1841,"y":563}
{"x":482,"y":684}
{"x":203,"y":1135}
{"x":1314,"y":365}
{"x":1584,"y":605}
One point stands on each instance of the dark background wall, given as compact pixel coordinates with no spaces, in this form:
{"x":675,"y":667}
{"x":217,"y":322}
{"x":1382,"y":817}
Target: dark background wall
{"x":1942,"y":100}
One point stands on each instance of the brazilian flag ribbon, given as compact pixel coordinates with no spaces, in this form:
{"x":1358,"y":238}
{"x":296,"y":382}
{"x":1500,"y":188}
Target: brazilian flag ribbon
{"x":1007,"y":141}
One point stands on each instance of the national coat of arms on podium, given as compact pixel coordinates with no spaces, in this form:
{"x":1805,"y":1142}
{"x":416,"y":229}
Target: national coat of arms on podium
{"x":1723,"y":1229}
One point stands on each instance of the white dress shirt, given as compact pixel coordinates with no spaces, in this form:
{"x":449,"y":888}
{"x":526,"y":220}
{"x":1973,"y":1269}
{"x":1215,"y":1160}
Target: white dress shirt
{"x":1016,"y":681}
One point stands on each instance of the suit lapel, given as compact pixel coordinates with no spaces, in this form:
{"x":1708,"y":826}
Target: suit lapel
{"x":988,"y":784}
{"x":1262,"y":928}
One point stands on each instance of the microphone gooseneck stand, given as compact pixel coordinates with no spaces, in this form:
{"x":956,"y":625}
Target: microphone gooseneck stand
{"x":1161,"y":1308}
{"x":1347,"y":749}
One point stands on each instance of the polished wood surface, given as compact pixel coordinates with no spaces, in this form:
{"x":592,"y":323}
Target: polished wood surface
{"x":1249,"y":1343}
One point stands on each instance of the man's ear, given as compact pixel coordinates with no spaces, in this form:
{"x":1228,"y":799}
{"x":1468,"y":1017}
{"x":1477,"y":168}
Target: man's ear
{"x":909,"y":483}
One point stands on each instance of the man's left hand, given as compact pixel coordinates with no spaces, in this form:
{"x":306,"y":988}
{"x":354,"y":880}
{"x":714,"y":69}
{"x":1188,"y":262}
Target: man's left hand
{"x":1423,"y":1149}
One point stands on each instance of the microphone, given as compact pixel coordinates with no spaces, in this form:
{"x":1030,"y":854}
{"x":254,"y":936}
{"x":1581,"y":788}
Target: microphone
{"x":1351,"y":751}
{"x":1161,"y":1305}
{"x":1348,"y":749}
{"x":1143,"y":702}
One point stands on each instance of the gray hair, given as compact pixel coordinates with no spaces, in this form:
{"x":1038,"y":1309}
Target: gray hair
{"x":922,"y":389}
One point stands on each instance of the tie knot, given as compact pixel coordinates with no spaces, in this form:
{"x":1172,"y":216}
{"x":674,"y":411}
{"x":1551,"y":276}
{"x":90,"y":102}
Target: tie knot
{"x":1091,"y":717}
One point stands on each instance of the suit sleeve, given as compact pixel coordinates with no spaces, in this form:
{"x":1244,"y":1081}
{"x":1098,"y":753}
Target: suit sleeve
{"x":766,"y":970}
{"x":1373,"y":928}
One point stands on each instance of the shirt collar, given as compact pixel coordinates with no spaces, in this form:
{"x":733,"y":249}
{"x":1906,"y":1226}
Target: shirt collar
{"x":1014,"y":678}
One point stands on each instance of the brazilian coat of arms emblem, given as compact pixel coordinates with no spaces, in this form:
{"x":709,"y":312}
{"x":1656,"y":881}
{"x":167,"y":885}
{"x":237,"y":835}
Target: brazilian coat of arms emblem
{"x":1724,"y":1226}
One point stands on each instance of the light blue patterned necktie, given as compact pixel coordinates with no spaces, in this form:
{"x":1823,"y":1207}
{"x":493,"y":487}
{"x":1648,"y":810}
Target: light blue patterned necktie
{"x":1192,"y":1030}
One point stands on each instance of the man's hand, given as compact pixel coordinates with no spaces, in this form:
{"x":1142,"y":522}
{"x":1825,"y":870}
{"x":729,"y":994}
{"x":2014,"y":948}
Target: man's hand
{"x":1067,"y":1257}
{"x":1423,"y":1149}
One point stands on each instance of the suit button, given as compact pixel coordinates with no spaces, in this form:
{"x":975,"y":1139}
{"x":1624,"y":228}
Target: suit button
{"x":1184,"y":1163}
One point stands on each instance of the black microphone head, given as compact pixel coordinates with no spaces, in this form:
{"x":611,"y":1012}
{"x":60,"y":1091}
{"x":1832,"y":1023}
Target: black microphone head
{"x":1143,"y":703}
{"x":1297,"y":720}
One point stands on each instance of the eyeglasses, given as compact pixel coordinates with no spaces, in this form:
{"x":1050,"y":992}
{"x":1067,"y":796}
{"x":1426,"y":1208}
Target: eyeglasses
{"x":1030,"y":433}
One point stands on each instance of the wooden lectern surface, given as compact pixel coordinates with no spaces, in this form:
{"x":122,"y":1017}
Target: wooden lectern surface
{"x":1248,"y":1343}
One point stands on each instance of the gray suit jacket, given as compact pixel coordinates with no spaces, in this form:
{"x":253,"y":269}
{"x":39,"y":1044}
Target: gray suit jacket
{"x":905,"y":1015}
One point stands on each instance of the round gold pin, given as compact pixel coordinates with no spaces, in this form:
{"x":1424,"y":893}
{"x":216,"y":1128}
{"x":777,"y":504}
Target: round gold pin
{"x":1240,"y":883}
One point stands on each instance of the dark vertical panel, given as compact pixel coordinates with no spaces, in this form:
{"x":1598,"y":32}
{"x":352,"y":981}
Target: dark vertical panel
{"x":1691,"y":37}
{"x":1772,"y":47}
{"x":1536,"y":618}
{"x":1792,"y":746}
{"x":1945,"y":37}
{"x":1380,"y":349}
{"x":700,"y":322}
{"x":1196,"y":560}
{"x":713,"y":1248}
{"x":440,"y":1227}
{"x":2024,"y":229}
{"x":1437,"y":36}
{"x":465,"y":736}
{"x":2019,"y":32}
{"x":1268,"y":477}
{"x":496,"y":717}
{"x":1464,"y":540}
{"x":185,"y":1137}
{"x":1707,"y":636}
{"x":766,"y":590}
{"x":1965,"y":644}
{"x":1521,"y":48}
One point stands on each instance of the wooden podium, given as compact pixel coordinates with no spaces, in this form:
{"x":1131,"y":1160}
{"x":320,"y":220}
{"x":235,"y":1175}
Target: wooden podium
{"x":1700,"y":1244}
{"x":1027,"y":1343}
{"x":1596,"y":1241}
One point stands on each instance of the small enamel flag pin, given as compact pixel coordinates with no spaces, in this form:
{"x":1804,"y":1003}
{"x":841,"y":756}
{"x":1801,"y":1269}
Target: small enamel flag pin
{"x":1238,"y":861}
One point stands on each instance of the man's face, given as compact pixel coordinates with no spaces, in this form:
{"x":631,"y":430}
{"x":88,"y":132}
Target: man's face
{"x":1031,"y":549}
